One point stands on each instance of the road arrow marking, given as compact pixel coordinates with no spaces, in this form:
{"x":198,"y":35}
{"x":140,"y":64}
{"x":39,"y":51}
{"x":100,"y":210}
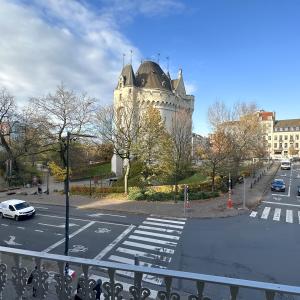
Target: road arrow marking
{"x":58,"y":226}
{"x":12,"y":242}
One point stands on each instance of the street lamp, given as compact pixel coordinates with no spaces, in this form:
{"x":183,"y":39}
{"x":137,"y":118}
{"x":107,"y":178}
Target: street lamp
{"x":67,"y":185}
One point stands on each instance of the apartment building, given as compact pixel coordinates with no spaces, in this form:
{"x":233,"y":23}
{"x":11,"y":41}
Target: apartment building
{"x":281,"y":137}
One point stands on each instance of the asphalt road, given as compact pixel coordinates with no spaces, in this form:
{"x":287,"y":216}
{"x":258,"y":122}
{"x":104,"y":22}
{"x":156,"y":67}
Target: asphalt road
{"x":260,"y":245}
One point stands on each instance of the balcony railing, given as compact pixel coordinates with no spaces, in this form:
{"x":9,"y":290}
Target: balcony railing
{"x":16,"y":265}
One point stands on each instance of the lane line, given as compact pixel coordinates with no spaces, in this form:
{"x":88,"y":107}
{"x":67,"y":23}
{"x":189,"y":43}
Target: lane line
{"x":163,"y":225}
{"x":38,"y":230}
{"x":70,"y":236}
{"x":253,"y":214}
{"x":113,"y":243}
{"x":289,"y":216}
{"x":160,"y":229}
{"x":299,"y":216}
{"x":4,"y":225}
{"x":277,"y":203}
{"x":20,"y":227}
{"x":149,"y":247}
{"x":277,"y":214}
{"x":84,"y":220}
{"x":265,"y":213}
{"x":281,"y":195}
{"x":166,"y":236}
{"x":155,"y":241}
{"x":166,"y":221}
{"x":144,"y":254}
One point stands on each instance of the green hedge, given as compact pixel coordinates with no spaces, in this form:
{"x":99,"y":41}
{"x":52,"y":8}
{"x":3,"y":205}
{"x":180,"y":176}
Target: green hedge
{"x":85,"y":190}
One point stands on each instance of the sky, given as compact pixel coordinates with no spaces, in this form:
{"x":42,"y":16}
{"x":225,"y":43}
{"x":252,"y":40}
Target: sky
{"x":229,"y":50}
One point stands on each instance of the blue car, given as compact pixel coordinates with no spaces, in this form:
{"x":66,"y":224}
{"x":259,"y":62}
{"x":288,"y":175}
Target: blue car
{"x":278,"y":185}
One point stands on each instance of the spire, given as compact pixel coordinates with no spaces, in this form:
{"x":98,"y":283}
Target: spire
{"x":127,"y":77}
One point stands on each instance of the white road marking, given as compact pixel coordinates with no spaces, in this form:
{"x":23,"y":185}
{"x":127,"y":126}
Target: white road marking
{"x":147,"y":278}
{"x":58,"y":226}
{"x":130,"y":261}
{"x":166,"y":236}
{"x":166,"y":221}
{"x":101,"y":214}
{"x":144,"y":254}
{"x":37,"y":230}
{"x":84,"y":220}
{"x":149,"y":247}
{"x":281,"y":195}
{"x":41,"y":207}
{"x":70,"y":236}
{"x":11,"y":241}
{"x":59,"y":234}
{"x":155,"y":241}
{"x":265,"y":213}
{"x":160,"y":229}
{"x":164,"y":225}
{"x":289,"y":216}
{"x":78,"y":248}
{"x":175,"y":218}
{"x":126,"y":286}
{"x":296,"y":205}
{"x":114,"y":243}
{"x":253,"y":214}
{"x":4,"y":225}
{"x":19,"y":227}
{"x":277,"y":214}
{"x":299,"y":216}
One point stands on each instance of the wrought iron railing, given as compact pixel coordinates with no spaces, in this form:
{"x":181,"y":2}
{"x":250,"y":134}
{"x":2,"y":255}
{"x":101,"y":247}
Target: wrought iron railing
{"x":16,"y":265}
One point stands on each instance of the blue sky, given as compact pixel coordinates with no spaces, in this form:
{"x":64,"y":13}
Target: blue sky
{"x":229,"y":50}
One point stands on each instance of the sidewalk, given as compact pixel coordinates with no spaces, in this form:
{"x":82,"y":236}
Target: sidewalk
{"x":210,"y":208}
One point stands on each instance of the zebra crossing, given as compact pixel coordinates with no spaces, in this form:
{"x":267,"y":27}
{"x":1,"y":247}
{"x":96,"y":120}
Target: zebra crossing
{"x":153,"y":242}
{"x":278,"y":214}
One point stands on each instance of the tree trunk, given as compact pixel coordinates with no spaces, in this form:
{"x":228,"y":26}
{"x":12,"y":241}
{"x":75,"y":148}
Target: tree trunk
{"x":126,"y":177}
{"x":9,"y":152}
{"x":213,"y":179}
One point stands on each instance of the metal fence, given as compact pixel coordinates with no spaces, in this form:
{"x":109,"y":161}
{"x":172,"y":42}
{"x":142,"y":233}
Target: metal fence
{"x":16,"y":265}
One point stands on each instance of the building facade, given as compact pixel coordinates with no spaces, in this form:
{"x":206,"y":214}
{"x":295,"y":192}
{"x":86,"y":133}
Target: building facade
{"x":150,"y":85}
{"x":281,"y":137}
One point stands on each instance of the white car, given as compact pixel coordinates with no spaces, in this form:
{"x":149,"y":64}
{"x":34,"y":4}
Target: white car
{"x":16,"y":209}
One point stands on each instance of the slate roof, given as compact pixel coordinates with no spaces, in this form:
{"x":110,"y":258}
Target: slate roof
{"x":287,"y":123}
{"x":150,"y":75}
{"x":129,"y":78}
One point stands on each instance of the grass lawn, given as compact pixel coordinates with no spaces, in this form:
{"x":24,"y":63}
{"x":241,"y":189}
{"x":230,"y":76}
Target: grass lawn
{"x":196,"y":178}
{"x":101,"y":170}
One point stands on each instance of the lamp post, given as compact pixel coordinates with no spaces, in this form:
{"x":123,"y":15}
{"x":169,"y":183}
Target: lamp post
{"x":67,"y":184}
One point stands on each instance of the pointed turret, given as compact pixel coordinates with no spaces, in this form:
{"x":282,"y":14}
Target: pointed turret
{"x":127,"y":77}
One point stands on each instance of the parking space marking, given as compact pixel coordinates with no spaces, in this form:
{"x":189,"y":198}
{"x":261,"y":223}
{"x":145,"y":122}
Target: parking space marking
{"x":277,"y":203}
{"x":20,"y":227}
{"x":113,"y":243}
{"x":83,"y":220}
{"x":253,"y":214}
{"x":50,"y":248}
{"x":38,"y":230}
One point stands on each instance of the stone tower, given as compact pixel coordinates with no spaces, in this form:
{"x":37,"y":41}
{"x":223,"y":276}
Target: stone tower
{"x":152,"y":86}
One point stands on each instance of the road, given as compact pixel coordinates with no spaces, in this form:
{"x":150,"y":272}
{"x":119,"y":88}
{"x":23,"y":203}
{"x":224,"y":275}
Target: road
{"x":260,"y":245}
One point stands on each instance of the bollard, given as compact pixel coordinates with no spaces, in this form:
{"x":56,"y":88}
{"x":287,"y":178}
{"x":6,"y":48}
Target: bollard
{"x":251,"y":185}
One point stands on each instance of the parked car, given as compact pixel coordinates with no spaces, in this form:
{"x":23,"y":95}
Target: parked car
{"x":16,"y":209}
{"x":298,"y":190}
{"x":278,"y":185}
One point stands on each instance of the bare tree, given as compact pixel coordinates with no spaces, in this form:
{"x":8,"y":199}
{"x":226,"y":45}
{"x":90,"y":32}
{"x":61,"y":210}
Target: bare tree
{"x":215,"y":151}
{"x":120,"y":125}
{"x":181,"y":136}
{"x":8,"y":119}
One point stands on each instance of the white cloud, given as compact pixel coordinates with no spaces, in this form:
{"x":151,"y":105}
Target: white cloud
{"x":190,"y":88}
{"x":47,"y":42}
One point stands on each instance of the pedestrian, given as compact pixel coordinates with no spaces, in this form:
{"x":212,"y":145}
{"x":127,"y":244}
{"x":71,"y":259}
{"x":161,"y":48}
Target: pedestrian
{"x":77,"y":292}
{"x":30,"y":281}
{"x":39,"y":189}
{"x":98,"y":289}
